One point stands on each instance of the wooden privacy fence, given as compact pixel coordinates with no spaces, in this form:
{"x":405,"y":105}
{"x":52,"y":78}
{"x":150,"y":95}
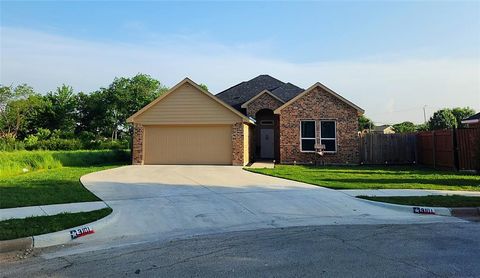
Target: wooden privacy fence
{"x":468,"y":147}
{"x":457,"y":149}
{"x":378,"y":148}
{"x":449,"y":148}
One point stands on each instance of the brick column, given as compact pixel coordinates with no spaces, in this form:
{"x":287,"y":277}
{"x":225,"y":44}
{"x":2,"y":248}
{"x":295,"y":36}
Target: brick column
{"x":137,"y":148}
{"x":237,"y":144}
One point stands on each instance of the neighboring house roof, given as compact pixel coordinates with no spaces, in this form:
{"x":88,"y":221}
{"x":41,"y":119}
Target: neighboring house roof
{"x":244,"y":105}
{"x":131,"y":119}
{"x":472,"y":119}
{"x":325,"y":88}
{"x":244,"y":91}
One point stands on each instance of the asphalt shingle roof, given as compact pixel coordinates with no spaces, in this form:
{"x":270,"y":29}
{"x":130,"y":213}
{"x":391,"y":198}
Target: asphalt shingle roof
{"x":287,"y":91}
{"x":242,"y":92}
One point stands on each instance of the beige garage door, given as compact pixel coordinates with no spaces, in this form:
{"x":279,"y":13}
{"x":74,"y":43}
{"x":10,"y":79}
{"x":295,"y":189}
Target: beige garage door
{"x":197,"y":144}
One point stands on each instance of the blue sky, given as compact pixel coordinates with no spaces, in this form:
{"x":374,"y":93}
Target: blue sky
{"x":381,"y":55}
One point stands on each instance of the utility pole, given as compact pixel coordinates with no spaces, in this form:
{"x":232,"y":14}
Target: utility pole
{"x":424,"y":114}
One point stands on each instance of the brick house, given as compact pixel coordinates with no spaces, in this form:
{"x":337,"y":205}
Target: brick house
{"x":260,"y":119}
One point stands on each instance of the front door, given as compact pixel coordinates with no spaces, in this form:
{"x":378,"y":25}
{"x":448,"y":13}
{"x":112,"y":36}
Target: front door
{"x":266,"y":143}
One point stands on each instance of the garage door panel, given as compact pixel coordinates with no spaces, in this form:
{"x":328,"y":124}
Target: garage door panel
{"x":188,"y":144}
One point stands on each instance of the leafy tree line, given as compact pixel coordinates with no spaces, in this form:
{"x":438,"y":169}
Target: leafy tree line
{"x":63,"y":119}
{"x":441,"y":119}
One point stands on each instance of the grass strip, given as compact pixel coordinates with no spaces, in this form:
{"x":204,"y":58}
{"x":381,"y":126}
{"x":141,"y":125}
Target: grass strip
{"x":18,"y":162}
{"x":375,"y":177}
{"x":18,"y":228}
{"x":450,"y":201}
{"x":46,"y":187}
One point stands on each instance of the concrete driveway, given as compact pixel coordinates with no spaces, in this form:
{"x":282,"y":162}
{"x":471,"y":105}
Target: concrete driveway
{"x":166,"y":202}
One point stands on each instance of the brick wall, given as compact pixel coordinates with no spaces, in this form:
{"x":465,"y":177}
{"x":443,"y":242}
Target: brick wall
{"x":318,"y":105}
{"x":237,"y":144}
{"x":265,"y":101}
{"x":137,"y":148}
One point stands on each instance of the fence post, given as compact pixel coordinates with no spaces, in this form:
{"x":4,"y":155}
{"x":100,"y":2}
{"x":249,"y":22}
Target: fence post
{"x":455,"y":149}
{"x":416,"y":150}
{"x":433,"y":150}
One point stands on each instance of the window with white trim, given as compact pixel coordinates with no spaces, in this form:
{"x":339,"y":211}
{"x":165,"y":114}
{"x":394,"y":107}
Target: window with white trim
{"x":307,"y":136}
{"x":328,"y":135}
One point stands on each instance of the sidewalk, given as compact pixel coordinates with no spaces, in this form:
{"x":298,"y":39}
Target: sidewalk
{"x":23,"y":212}
{"x":406,"y":192}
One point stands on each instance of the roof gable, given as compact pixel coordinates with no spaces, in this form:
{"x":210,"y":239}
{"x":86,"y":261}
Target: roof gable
{"x":199,"y":102}
{"x":244,"y":105}
{"x":326,"y":89}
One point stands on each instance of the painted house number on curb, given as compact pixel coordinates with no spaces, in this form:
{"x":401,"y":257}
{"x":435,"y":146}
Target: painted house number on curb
{"x":81,"y":232}
{"x":423,"y":210}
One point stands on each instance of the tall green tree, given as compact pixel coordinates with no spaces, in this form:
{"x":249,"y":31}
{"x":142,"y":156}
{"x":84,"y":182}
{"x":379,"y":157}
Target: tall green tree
{"x":17,"y":106}
{"x":60,"y":112}
{"x":92,"y":114}
{"x":125,"y":96}
{"x":7,"y":94}
{"x":22,"y":116}
{"x":461,"y":113}
{"x":441,"y":119}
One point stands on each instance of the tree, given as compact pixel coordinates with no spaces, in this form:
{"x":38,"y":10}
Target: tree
{"x":21,"y":116}
{"x":17,"y":105}
{"x":92,"y":114}
{"x":461,"y":113}
{"x":404,"y":127}
{"x":364,"y":123}
{"x":7,"y":94}
{"x":441,"y":119}
{"x":125,"y":96}
{"x":60,"y":112}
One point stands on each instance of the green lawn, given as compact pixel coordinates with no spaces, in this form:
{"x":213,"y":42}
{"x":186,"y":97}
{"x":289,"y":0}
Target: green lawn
{"x":51,"y":186}
{"x":368,"y":177}
{"x":429,"y":201}
{"x":18,"y":228}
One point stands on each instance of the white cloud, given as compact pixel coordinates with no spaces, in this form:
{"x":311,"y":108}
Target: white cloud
{"x":381,"y":88}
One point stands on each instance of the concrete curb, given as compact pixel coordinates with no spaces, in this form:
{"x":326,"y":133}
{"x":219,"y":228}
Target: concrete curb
{"x":55,"y":238}
{"x":18,"y":244}
{"x":462,"y":212}
{"x":52,"y":239}
{"x":63,"y":237}
{"x":403,"y":208}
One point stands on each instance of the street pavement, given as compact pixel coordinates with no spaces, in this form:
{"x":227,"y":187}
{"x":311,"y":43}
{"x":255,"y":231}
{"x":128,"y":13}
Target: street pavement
{"x":419,"y":250}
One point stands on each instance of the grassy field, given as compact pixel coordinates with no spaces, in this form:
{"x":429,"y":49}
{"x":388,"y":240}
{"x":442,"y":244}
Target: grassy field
{"x":14,"y":163}
{"x":44,"y":187}
{"x":51,"y":177}
{"x":365,"y":177}
{"x":18,"y":228}
{"x":429,"y":201}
